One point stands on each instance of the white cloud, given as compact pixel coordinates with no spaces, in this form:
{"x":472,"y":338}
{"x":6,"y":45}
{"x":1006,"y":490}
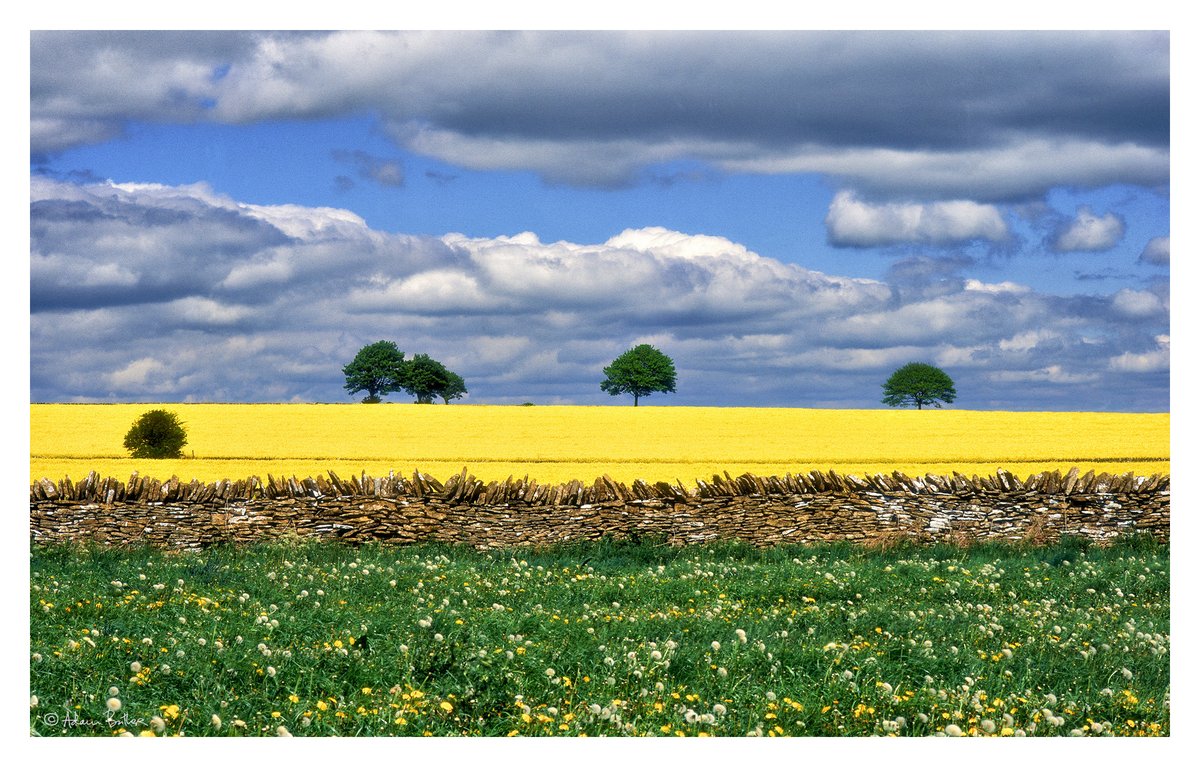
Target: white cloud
{"x":1089,"y":232}
{"x":1157,"y":252}
{"x":140,"y":375}
{"x":1137,"y":303}
{"x":996,"y":288}
{"x":1153,"y":361}
{"x":1055,"y":374}
{"x":852,"y":222}
{"x":218,"y":283}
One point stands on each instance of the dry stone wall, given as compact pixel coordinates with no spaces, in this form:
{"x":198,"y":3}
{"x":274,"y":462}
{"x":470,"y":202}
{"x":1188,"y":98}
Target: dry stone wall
{"x":764,"y":511}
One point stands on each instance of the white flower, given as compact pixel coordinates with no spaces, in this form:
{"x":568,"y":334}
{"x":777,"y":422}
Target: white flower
{"x":270,"y":671}
{"x":216,"y":721}
{"x":716,"y":646}
{"x":114,"y":704}
{"x":550,"y":672}
{"x":33,"y":701}
{"x":953,"y":730}
{"x":722,"y":672}
{"x":282,"y":732}
{"x":719,"y":710}
{"x":438,"y":638}
{"x":113,"y":692}
{"x":158,"y":724}
{"x":741,"y":635}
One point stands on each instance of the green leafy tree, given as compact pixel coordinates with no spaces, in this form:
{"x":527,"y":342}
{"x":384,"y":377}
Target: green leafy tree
{"x":640,"y":371}
{"x":156,"y":434}
{"x":918,"y":384}
{"x":426,"y":378}
{"x":378,"y":369}
{"x":455,"y":388}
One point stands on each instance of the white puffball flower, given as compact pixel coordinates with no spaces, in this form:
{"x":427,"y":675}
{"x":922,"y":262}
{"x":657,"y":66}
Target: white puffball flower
{"x":216,"y":721}
{"x":716,"y":646}
{"x":135,"y":667}
{"x":953,"y":730}
{"x":157,"y":723}
{"x":113,"y":692}
{"x":114,"y":704}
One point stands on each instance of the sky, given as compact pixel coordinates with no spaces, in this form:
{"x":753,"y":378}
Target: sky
{"x":789,"y":215}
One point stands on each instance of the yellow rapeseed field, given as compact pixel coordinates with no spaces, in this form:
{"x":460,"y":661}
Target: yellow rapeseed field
{"x":560,"y":443}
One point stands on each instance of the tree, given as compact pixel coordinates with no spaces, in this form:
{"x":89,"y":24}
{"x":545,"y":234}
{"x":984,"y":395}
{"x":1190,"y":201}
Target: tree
{"x":639,"y":371}
{"x":918,"y":384}
{"x":455,"y":389}
{"x":378,"y":369}
{"x":156,"y":434}
{"x":426,"y":378}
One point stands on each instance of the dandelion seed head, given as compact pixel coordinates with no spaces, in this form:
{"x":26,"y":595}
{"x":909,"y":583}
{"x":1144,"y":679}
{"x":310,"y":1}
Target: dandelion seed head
{"x":113,"y":704}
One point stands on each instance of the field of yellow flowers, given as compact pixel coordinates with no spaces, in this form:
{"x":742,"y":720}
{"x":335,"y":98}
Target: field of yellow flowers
{"x":602,"y":639}
{"x":561,"y":443}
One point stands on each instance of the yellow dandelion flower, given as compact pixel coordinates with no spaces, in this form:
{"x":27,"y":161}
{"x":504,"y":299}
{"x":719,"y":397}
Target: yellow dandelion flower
{"x":446,"y":706}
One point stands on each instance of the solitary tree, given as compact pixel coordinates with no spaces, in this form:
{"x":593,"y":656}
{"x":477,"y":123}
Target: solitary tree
{"x":426,"y":378}
{"x":918,"y":384}
{"x":156,"y":434}
{"x":378,"y":369}
{"x":639,"y":371}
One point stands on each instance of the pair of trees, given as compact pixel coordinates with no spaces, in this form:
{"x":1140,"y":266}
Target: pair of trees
{"x":380,"y":369}
{"x":644,"y":369}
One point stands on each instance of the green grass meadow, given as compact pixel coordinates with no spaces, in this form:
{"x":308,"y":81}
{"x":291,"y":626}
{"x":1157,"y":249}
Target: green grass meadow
{"x":319,"y":639}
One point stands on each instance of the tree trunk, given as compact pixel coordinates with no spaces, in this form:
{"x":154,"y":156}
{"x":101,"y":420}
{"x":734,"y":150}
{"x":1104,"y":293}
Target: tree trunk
{"x":635,"y":399}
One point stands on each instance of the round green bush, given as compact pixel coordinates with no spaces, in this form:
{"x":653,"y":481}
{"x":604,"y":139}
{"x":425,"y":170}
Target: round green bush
{"x":156,"y":434}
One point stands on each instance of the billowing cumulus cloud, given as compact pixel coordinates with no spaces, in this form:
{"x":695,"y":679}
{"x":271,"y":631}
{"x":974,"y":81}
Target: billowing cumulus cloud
{"x":854,"y":223}
{"x":175,"y":292}
{"x":983,"y":116}
{"x":1088,"y":232}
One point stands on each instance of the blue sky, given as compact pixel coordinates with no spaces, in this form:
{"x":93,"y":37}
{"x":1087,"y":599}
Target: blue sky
{"x":790,"y":216}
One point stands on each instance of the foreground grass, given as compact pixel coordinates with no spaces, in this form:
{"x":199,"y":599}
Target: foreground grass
{"x":604,"y":639}
{"x":562,"y":443}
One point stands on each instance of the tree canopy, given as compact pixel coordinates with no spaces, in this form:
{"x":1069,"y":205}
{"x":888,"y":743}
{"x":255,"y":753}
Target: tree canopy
{"x":156,"y":434}
{"x":640,"y":371}
{"x":426,"y":378}
{"x":918,"y":384}
{"x":377,"y":369}
{"x":380,"y":369}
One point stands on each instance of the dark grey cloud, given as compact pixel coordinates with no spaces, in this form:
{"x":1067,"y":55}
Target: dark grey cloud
{"x":983,"y":116}
{"x":195,"y":296}
{"x":381,"y":170}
